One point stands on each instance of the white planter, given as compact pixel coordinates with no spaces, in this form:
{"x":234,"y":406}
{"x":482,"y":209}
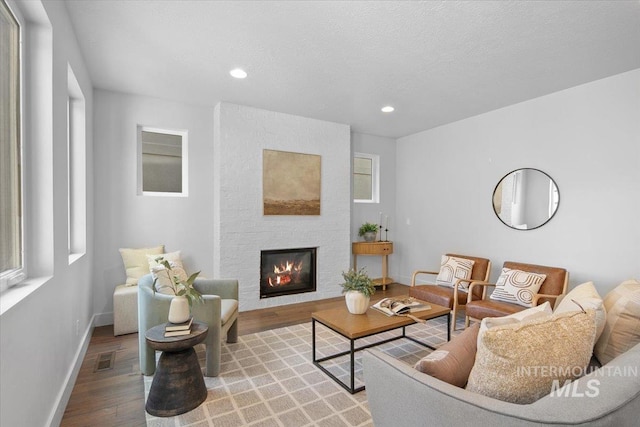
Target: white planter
{"x":179,"y":310}
{"x":370,"y":236}
{"x":357,"y":302}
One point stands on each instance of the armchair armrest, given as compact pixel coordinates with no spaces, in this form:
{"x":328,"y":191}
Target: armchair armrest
{"x":554,"y":298}
{"x":415,"y":274}
{"x":477,"y":283}
{"x":224,"y":288}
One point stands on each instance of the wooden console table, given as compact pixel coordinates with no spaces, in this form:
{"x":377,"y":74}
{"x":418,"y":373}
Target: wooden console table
{"x":383,"y":249}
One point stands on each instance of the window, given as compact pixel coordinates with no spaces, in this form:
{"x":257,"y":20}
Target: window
{"x":366,"y":178}
{"x":162,"y":162}
{"x":11,"y":243}
{"x":76,"y":169}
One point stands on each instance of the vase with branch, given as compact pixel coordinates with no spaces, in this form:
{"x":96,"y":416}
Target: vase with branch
{"x":174,"y":281}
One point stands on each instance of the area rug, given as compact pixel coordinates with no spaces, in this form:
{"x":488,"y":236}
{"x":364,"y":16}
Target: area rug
{"x":268,"y":379}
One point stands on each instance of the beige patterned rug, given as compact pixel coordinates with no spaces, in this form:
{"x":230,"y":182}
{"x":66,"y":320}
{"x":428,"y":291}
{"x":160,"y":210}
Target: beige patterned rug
{"x":268,"y":379}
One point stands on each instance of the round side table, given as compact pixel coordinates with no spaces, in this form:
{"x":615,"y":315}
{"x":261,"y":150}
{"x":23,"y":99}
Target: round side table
{"x":178,"y":385}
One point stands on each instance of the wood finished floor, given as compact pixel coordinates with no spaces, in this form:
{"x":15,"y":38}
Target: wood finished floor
{"x":115,"y":397}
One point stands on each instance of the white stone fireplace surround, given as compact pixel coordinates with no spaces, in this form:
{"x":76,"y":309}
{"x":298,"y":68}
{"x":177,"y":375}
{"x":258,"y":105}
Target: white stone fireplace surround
{"x":241,"y":230}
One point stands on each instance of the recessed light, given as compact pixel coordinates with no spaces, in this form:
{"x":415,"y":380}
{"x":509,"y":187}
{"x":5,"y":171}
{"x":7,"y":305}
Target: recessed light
{"x":387,"y":109}
{"x":238,"y":73}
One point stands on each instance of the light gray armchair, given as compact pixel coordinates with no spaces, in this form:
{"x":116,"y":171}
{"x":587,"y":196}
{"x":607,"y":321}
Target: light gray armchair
{"x":219,"y":311}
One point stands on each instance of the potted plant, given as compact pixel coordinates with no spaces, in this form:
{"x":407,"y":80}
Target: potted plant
{"x":177,"y":283}
{"x":368,"y":231}
{"x":358,"y":289}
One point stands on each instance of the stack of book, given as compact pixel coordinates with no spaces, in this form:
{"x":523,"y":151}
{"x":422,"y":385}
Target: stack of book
{"x":177,"y":329}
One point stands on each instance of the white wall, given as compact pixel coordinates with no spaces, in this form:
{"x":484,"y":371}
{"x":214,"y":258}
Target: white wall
{"x":45,"y":323}
{"x":241,"y":229}
{"x":370,"y":212}
{"x":126,"y":219}
{"x":586,"y":138}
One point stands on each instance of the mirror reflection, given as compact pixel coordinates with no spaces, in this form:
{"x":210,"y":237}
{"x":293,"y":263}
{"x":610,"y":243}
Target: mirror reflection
{"x":525,"y":199}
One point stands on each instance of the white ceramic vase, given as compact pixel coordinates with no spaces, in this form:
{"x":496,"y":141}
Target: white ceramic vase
{"x":357,"y":302}
{"x":370,"y":236}
{"x":179,"y":309}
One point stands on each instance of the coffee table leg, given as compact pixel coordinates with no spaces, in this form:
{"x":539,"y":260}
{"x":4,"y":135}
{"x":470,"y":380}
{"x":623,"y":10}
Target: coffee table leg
{"x":313,"y":339}
{"x":353,"y":373}
{"x":449,"y":327}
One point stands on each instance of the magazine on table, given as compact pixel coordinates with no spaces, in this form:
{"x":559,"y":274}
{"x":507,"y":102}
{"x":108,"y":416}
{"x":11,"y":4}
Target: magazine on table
{"x":399,"y":306}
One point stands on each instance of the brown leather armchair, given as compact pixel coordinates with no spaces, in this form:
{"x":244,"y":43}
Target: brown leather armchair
{"x":454,"y":298}
{"x":554,"y":285}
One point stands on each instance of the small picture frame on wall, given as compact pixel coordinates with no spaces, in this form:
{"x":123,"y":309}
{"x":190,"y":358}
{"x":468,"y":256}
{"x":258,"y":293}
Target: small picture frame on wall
{"x":291,"y":183}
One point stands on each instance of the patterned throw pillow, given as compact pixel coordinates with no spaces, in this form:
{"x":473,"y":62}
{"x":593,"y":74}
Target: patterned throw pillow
{"x":452,"y":269}
{"x":164,"y":282}
{"x":517,"y":287}
{"x":520,"y":363}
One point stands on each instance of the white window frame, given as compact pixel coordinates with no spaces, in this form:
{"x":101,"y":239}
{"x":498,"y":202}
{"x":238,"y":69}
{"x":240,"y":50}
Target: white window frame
{"x":76,"y":168}
{"x":14,"y":276}
{"x":185,"y":161}
{"x":375,"y":177}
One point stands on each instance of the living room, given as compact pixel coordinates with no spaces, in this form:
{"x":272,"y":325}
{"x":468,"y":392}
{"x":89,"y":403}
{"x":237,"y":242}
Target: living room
{"x":436,"y":187}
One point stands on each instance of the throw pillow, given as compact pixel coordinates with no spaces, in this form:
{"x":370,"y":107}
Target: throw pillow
{"x":582,"y":297}
{"x":520,"y":363}
{"x":622,"y":329}
{"x":452,"y":269}
{"x":164,"y":283}
{"x":533,"y":313}
{"x":517,"y":286}
{"x":135,"y":262}
{"x":453,"y":361}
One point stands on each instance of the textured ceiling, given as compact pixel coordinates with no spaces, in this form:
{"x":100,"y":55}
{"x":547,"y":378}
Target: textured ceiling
{"x":435,"y":62}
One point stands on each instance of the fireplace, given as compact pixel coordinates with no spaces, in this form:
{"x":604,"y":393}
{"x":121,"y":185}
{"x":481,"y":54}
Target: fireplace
{"x":287,"y":272}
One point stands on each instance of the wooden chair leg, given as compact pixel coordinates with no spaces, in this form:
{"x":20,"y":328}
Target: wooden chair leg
{"x":454,"y":315}
{"x":466,"y":321}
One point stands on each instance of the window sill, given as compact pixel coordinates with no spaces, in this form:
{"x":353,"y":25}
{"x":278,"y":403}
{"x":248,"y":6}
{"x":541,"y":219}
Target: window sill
{"x":12,"y":296}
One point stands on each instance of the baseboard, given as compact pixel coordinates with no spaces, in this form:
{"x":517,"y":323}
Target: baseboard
{"x":55,"y":419}
{"x":102,"y":319}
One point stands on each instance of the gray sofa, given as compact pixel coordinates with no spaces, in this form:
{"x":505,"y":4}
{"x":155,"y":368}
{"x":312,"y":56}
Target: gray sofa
{"x":399,"y":395}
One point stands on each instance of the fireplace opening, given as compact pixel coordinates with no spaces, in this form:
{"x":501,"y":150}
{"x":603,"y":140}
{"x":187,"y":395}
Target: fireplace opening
{"x":287,"y":272}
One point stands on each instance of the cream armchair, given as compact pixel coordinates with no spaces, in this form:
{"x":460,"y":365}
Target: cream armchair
{"x":219,"y":311}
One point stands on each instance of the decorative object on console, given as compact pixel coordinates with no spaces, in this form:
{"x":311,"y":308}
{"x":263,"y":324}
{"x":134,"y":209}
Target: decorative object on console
{"x":358,"y":289}
{"x":622,"y":329}
{"x":290,"y":183}
{"x":517,"y":287}
{"x":368,"y":231}
{"x":526,"y":199}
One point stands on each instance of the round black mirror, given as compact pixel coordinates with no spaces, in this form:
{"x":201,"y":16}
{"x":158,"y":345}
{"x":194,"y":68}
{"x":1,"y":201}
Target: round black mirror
{"x":525,"y":199}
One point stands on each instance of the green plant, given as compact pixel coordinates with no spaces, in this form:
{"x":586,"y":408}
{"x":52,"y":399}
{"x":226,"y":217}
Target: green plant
{"x":358,"y":281}
{"x":367,"y":227}
{"x":179,"y":286}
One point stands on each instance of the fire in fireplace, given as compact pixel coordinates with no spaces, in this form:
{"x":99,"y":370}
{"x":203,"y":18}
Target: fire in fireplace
{"x":287,"y":272}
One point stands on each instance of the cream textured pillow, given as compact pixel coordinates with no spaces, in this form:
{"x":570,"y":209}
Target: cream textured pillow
{"x":586,"y":296}
{"x":453,"y":361}
{"x":452,"y":268}
{"x":528,"y":315}
{"x":517,"y":286}
{"x":164,"y":282}
{"x":135,"y":262}
{"x":519,"y":363}
{"x":622,"y":329}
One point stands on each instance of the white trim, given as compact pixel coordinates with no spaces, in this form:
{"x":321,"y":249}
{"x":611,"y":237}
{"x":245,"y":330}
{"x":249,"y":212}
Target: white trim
{"x":375,"y":177}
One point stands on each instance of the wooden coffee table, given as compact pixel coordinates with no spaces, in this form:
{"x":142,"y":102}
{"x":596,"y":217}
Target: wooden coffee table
{"x":356,"y":326}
